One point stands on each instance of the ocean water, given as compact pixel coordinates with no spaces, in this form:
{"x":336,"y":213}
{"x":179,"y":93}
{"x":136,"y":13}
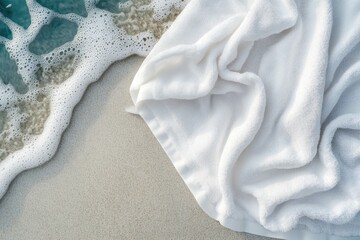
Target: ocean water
{"x":50,"y":51}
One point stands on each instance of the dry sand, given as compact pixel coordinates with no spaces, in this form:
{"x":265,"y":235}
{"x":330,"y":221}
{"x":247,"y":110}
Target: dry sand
{"x":110,"y":179}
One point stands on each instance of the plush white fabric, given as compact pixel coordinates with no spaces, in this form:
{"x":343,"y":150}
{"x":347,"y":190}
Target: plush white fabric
{"x":257,"y":104}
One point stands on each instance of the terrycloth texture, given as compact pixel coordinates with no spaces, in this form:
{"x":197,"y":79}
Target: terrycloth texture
{"x":257,"y":104}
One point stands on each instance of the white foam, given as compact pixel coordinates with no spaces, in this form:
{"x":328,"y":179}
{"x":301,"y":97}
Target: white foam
{"x":97,"y":44}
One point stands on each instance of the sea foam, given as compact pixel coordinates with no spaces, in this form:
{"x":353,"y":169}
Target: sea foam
{"x":46,"y":66}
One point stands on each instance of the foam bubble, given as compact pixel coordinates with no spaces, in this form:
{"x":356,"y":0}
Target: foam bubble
{"x":31,"y":123}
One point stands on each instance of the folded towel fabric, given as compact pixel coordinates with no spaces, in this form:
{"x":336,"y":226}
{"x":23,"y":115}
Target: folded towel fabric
{"x":257,"y":104}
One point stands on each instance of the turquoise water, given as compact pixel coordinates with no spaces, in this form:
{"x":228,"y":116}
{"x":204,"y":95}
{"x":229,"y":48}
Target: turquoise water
{"x":65,"y":6}
{"x":17,"y":11}
{"x":8,"y":71}
{"x":50,"y":36}
{"x":5,"y":30}
{"x":55,"y":34}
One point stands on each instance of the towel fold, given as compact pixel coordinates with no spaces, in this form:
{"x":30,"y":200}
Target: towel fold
{"x":257,"y":104}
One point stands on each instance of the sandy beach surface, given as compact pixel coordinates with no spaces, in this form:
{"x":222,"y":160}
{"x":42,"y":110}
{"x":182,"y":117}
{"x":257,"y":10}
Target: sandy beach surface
{"x":109,"y":179}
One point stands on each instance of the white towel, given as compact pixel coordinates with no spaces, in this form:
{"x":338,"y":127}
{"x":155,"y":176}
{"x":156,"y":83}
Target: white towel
{"x":257,"y":104}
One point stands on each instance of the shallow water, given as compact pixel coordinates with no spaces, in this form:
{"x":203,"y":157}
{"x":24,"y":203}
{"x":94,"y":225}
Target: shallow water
{"x":17,"y":11}
{"x":53,"y":35}
{"x":49,"y":52}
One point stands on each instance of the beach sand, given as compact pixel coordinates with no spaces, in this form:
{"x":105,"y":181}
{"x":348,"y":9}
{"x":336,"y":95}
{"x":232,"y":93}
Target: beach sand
{"x":110,"y":179}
